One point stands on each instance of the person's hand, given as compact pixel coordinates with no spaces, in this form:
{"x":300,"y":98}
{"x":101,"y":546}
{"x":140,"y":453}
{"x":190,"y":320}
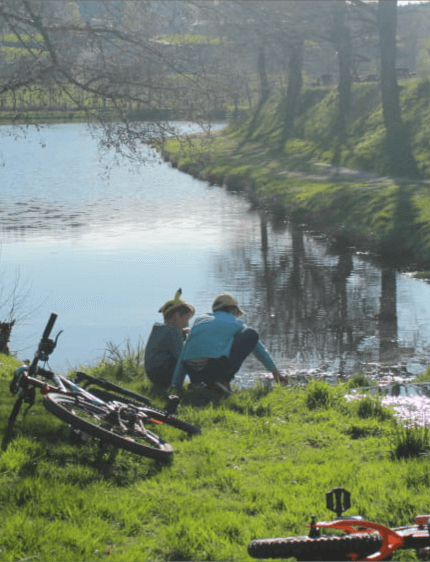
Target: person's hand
{"x":280,"y":378}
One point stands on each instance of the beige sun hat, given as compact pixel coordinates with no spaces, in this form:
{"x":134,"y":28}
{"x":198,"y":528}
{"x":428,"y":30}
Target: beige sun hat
{"x":225,"y":299}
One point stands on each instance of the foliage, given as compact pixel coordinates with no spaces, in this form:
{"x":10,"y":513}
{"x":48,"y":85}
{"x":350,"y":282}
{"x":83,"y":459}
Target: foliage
{"x":369,"y":407}
{"x":410,"y":442}
{"x":122,"y":364}
{"x":320,"y":395}
{"x":7,"y":364}
{"x":359,"y":380}
{"x":424,"y":377}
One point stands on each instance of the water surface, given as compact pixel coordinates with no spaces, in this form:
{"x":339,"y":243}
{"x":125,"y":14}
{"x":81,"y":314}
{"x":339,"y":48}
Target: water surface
{"x":105,"y":253}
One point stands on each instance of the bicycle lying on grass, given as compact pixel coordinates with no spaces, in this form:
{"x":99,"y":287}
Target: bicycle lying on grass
{"x":99,"y":409}
{"x":363,"y":540}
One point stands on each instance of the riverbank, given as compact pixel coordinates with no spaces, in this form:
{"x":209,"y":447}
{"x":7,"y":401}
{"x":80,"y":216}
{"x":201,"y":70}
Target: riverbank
{"x":261,"y":467}
{"x":352,"y":202}
{"x":389,"y":217}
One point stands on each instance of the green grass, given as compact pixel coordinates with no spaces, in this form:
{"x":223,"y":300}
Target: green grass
{"x":388,"y":216}
{"x":424,"y":377}
{"x":260,"y":468}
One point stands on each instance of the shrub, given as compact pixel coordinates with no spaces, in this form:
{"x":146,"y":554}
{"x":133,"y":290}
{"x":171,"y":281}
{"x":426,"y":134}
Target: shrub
{"x":122,"y":364}
{"x":409,"y":442}
{"x":424,"y":377}
{"x":359,"y":380}
{"x":320,"y":395}
{"x":369,"y":407}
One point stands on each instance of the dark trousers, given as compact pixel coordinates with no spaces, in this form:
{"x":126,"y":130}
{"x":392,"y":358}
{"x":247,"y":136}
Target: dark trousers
{"x":224,"y":368}
{"x":162,"y":377}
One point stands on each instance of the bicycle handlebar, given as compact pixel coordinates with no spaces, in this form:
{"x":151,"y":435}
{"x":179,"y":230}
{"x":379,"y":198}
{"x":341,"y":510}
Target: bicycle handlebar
{"x":49,"y":325}
{"x":43,"y":340}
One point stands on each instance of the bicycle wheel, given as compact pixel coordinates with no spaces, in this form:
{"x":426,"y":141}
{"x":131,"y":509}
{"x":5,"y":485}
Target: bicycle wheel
{"x":154,"y":415}
{"x":98,"y":422}
{"x":329,"y":547}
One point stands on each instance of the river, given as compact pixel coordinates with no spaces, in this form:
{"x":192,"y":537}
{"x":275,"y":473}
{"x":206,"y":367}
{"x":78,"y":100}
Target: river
{"x":105,"y":251}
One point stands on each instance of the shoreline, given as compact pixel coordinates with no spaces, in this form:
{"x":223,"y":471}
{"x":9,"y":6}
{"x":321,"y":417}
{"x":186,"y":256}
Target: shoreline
{"x":302,"y":199}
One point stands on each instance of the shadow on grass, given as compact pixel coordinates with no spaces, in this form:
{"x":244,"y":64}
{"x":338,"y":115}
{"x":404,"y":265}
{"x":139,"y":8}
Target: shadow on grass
{"x":253,"y":124}
{"x":61,"y":448}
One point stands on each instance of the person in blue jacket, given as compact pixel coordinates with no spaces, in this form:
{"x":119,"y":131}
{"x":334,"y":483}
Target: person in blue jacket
{"x":216,"y":347}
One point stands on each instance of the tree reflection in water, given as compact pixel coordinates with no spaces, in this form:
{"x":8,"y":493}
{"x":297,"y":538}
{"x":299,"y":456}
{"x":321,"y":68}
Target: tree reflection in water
{"x":314,"y":304}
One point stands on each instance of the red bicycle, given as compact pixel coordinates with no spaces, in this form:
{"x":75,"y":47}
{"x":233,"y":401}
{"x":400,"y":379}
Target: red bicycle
{"x":362,"y":540}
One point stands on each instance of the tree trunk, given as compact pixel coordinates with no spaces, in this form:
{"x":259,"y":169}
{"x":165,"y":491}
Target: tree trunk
{"x":5,"y":331}
{"x":400,"y":159}
{"x":264,"y":83}
{"x":344,"y":53}
{"x":295,"y":83}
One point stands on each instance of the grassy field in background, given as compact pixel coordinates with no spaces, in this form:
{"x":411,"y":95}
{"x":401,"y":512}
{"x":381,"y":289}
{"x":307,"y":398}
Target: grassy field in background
{"x":260,"y":468}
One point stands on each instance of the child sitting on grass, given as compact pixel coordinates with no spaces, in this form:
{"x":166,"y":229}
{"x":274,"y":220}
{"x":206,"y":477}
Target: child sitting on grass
{"x":166,"y":341}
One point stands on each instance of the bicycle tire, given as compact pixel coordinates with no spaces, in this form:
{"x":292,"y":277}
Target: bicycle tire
{"x":81,"y":414}
{"x":328,"y":547}
{"x":156,"y":416}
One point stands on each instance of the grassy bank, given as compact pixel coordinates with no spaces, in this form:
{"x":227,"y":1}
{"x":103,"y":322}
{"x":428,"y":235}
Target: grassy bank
{"x":260,"y":468}
{"x":297,"y":178}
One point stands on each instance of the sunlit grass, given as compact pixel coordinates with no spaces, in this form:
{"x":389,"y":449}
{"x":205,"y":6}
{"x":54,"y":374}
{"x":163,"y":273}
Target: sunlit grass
{"x":411,"y":441}
{"x":262,"y":465}
{"x":7,"y":364}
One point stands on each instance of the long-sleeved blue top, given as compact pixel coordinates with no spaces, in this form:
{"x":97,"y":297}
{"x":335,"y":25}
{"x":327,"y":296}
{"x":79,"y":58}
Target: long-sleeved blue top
{"x":212,"y":336}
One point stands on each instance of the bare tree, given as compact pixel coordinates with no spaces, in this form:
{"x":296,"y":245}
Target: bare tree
{"x":13,"y":299}
{"x":108,"y":68}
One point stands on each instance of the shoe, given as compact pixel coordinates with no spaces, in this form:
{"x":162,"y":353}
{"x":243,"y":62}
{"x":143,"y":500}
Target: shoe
{"x":219,"y":388}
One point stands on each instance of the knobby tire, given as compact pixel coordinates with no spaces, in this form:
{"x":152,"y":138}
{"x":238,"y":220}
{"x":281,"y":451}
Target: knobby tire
{"x":329,"y":547}
{"x":77,"y":413}
{"x":154,"y":414}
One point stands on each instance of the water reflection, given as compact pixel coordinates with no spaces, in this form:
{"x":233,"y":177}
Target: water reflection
{"x":314,"y":305}
{"x":387,"y":321}
{"x":410,"y":401}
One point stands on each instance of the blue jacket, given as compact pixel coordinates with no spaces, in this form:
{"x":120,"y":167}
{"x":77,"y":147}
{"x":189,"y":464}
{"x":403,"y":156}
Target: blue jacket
{"x":212,"y":336}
